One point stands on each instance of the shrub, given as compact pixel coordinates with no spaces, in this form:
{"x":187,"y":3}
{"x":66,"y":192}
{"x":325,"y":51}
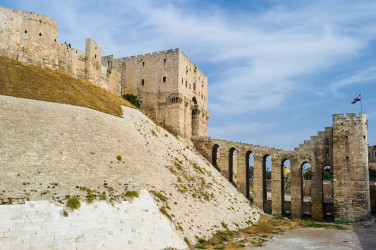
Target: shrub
{"x":224,"y":224}
{"x":73,"y":202}
{"x":132,"y":99}
{"x":131,"y":194}
{"x":90,"y":198}
{"x":119,"y":158}
{"x":160,"y":196}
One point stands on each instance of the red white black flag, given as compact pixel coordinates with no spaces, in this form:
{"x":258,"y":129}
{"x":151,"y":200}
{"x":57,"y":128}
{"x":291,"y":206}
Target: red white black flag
{"x":356,"y":99}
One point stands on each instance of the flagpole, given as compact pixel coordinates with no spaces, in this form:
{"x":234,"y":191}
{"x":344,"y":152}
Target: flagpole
{"x":361,"y":105}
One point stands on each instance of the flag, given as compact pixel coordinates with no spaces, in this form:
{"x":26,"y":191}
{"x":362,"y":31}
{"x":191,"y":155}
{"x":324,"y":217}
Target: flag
{"x":356,"y":99}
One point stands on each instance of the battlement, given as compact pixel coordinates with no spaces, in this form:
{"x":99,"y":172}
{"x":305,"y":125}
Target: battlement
{"x":29,"y":15}
{"x":169,"y":52}
{"x":350,"y":117}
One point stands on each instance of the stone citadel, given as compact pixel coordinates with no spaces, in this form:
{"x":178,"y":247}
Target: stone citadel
{"x":173,"y":91}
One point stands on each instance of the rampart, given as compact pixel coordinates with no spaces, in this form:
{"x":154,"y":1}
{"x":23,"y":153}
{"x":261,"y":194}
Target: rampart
{"x":33,"y":38}
{"x":171,"y":88}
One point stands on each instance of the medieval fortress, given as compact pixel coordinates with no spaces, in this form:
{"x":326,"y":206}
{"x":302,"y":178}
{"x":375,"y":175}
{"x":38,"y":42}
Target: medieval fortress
{"x":171,"y":88}
{"x":173,"y":91}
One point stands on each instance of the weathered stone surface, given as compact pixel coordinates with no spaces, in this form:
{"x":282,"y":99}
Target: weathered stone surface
{"x":50,"y":150}
{"x":172,"y":89}
{"x":343,"y":147}
{"x":40,"y":224}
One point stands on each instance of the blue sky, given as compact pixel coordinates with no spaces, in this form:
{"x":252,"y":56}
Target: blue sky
{"x":277,"y":70}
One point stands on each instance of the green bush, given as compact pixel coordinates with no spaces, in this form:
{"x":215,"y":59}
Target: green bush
{"x":132,"y":99}
{"x":131,"y":194}
{"x":73,"y":202}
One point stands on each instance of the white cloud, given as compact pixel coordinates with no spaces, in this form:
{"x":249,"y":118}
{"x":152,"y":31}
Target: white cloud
{"x":360,"y":77}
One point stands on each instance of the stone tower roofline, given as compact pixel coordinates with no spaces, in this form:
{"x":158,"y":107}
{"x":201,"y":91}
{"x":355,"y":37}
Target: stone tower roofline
{"x":349,"y":117}
{"x":33,"y":16}
{"x":147,"y":55}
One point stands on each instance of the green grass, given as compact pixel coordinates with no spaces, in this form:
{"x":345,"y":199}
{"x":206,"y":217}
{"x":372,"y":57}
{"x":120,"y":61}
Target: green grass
{"x":73,"y":203}
{"x":131,"y":194}
{"x":160,"y":196}
{"x":37,"y":83}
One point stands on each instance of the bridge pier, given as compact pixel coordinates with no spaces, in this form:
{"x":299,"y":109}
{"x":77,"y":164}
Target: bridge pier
{"x":241,"y":180}
{"x":277,"y":189}
{"x":296,"y":188}
{"x":258,"y":187}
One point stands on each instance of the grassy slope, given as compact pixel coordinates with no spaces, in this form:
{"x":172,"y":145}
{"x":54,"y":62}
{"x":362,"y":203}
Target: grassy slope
{"x":34,"y":82}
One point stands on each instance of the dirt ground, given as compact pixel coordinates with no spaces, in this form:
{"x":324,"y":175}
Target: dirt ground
{"x":361,"y":236}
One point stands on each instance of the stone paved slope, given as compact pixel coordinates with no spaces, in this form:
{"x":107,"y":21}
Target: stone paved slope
{"x":128,"y":225}
{"x":49,"y":151}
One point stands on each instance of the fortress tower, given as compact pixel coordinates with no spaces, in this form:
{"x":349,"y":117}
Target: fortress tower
{"x":350,"y":163}
{"x":171,"y":88}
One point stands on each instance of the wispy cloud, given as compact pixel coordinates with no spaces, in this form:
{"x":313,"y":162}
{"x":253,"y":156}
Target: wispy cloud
{"x":255,"y":58}
{"x":366,"y":76}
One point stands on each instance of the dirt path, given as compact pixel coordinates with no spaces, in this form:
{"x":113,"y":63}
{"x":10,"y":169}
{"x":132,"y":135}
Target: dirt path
{"x":359,"y":237}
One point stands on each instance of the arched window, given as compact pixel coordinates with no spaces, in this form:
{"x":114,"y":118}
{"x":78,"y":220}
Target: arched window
{"x":267,"y":183}
{"x":286,"y":186}
{"x":306,"y":185}
{"x":194,"y":100}
{"x":249,"y":167}
{"x":215,"y":156}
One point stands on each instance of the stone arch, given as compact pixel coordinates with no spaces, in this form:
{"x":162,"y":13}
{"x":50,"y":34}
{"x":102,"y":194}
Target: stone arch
{"x":214,"y":156}
{"x":286,"y":187}
{"x":305,"y":189}
{"x":266,"y":183}
{"x":231,"y":152}
{"x":249,"y":163}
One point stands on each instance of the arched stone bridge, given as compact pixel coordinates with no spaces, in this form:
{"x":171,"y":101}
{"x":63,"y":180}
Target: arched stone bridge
{"x":343,"y":147}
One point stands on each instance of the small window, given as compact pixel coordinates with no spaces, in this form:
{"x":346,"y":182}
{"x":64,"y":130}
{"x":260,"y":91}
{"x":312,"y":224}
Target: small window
{"x":40,"y":34}
{"x":165,"y":60}
{"x":95,"y":56}
{"x":164,"y":79}
{"x":25,"y":31}
{"x":347,"y":157}
{"x":194,"y":86}
{"x":142,"y":82}
{"x":143,"y":63}
{"x":186,"y":84}
{"x":182,"y":80}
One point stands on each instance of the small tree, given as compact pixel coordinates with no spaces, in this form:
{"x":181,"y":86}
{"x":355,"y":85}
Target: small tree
{"x":132,"y":99}
{"x":327,"y":175}
{"x":308,"y":174}
{"x":251,"y":172}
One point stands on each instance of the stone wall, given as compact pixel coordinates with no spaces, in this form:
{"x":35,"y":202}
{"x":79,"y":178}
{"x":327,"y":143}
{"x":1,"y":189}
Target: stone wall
{"x":171,"y":89}
{"x":343,"y":147}
{"x":51,"y":151}
{"x":129,"y":225}
{"x":33,"y":38}
{"x":372,"y":153}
